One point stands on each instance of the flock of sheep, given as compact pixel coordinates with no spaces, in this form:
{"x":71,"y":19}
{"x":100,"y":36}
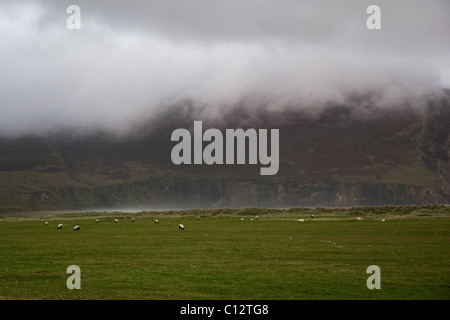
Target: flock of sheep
{"x":357,"y":218}
{"x":181,"y":226}
{"x":60,"y":226}
{"x":77,"y":227}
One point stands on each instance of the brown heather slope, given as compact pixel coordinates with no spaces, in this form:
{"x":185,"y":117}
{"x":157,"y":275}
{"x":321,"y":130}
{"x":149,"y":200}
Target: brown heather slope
{"x":335,"y":158}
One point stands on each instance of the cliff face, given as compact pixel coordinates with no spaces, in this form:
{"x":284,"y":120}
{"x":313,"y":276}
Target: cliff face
{"x":175,"y":194}
{"x":433,"y":146}
{"x":328,"y":160}
{"x":431,"y":138}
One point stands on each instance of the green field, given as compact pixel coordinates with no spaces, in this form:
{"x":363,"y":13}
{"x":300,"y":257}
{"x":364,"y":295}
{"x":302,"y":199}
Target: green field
{"x":221,"y":256}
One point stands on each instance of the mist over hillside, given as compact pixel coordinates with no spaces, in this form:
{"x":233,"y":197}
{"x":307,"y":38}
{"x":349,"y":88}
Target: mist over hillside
{"x":135,"y":60}
{"x":87,"y":113}
{"x":341,"y":156}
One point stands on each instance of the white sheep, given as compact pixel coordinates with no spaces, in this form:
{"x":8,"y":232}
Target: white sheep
{"x":97,"y":221}
{"x":312,"y":216}
{"x":181,"y":227}
{"x":256,"y":218}
{"x":46,"y":223}
{"x":242,"y":219}
{"x":132,"y":219}
{"x":76,"y":228}
{"x":358,"y":218}
{"x":156,"y":221}
{"x":301,"y":220}
{"x":60,"y":226}
{"x":115,"y":220}
{"x":198,"y":217}
{"x":383,"y":220}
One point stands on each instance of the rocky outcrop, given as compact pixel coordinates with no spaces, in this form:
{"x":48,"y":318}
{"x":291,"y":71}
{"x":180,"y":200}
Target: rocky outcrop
{"x":431,"y":136}
{"x":204,"y":193}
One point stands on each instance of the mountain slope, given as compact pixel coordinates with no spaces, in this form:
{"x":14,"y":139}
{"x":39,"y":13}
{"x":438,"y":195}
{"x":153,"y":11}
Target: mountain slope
{"x":331,"y":159}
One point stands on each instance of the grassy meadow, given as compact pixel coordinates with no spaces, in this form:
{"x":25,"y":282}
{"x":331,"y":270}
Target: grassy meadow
{"x":221,"y":256}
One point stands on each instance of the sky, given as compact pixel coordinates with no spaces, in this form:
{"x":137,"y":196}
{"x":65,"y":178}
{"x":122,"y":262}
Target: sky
{"x":131,"y":60}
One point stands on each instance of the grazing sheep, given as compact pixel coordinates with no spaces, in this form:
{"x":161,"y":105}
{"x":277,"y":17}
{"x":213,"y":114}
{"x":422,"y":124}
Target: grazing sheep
{"x":198,"y":217}
{"x":60,"y":226}
{"x":242,"y":219}
{"x":181,"y":227}
{"x":358,"y":218}
{"x":301,"y":220}
{"x":256,"y":218}
{"x":312,"y":216}
{"x":97,"y":221}
{"x":115,"y":220}
{"x":76,"y":228}
{"x":383,"y":220}
{"x":156,"y":221}
{"x":132,"y":219}
{"x":46,"y":223}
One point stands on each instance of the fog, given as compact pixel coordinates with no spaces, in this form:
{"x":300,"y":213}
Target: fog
{"x":132,"y":60}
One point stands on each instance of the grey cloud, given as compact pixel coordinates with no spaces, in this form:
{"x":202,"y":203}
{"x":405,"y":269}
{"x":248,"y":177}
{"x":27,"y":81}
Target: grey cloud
{"x":133,"y":58}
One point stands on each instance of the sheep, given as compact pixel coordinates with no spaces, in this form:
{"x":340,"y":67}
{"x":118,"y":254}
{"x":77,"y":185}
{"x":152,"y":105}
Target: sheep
{"x":46,"y":223}
{"x":76,"y":228}
{"x":358,"y":218}
{"x":156,"y":221}
{"x":181,"y":227}
{"x":256,"y":218}
{"x":312,"y":216}
{"x":383,"y":220}
{"x":301,"y":220}
{"x":115,"y":220}
{"x":242,"y":219}
{"x":60,"y":226}
{"x":132,"y":219}
{"x":198,"y":217}
{"x":97,"y":221}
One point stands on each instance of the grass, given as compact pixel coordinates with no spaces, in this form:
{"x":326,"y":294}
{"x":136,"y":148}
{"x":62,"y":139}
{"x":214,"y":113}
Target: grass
{"x":222,"y":257}
{"x":411,"y":174}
